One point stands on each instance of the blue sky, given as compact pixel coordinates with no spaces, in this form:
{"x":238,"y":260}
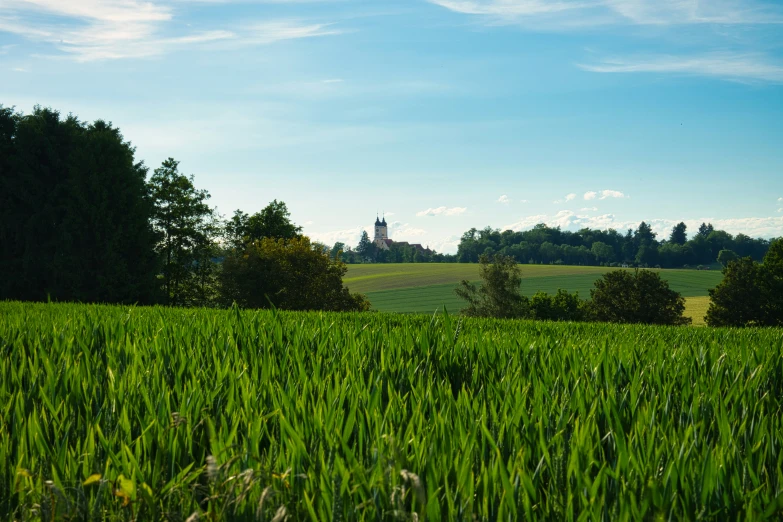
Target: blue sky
{"x":445,"y":114}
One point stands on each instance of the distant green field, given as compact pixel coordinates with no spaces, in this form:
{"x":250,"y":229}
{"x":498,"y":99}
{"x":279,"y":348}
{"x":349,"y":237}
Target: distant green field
{"x":424,"y":287}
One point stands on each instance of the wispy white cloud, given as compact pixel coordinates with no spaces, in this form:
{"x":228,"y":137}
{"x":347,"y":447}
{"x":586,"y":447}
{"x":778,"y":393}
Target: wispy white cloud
{"x":446,"y":245}
{"x":348,"y":236}
{"x":568,"y":197}
{"x":589,"y":209}
{"x":504,"y":199}
{"x":523,"y":201}
{"x":564,"y":13}
{"x":269,"y":32}
{"x":442,"y":211}
{"x":604,"y":194}
{"x":88,"y":30}
{"x":560,"y":15}
{"x":510,"y":8}
{"x":679,"y":12}
{"x":729,"y":66}
{"x":753,"y":226}
{"x":780,"y":200}
{"x":780,"y":210}
{"x":406,"y":231}
{"x":612,"y":194}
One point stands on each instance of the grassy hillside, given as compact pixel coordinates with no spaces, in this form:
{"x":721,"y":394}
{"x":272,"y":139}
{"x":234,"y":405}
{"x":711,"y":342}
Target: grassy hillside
{"x":425,"y":287}
{"x":696,"y":309}
{"x":124,"y":413}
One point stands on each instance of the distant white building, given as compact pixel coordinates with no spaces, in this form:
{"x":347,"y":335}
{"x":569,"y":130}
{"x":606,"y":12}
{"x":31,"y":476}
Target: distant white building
{"x":383,"y":242}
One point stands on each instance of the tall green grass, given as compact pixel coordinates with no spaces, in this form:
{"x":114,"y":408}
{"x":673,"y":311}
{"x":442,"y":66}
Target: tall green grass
{"x":116,"y":413}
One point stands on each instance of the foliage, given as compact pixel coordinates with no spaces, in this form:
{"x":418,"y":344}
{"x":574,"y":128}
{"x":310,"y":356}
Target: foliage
{"x":74,"y":216}
{"x":737,"y":300}
{"x":288,"y":274}
{"x":638,"y":296}
{"x":726,"y":256}
{"x":544,"y":245}
{"x":563,"y":306}
{"x":337,"y":250}
{"x":159,"y":413}
{"x":679,"y":234}
{"x":273,"y":221}
{"x":499,"y":294}
{"x":751,"y":294}
{"x":366,"y":248}
{"x":186,"y":230}
{"x":705,"y":229}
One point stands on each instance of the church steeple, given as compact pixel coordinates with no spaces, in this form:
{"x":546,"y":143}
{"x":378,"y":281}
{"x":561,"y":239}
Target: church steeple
{"x":381,"y":239}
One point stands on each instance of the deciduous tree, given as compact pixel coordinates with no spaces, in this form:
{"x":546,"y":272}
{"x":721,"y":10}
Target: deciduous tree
{"x":291,"y":274}
{"x":726,"y":256}
{"x":273,"y":221}
{"x":184,"y":224}
{"x":750,"y":294}
{"x":639,"y":296}
{"x":499,"y":294}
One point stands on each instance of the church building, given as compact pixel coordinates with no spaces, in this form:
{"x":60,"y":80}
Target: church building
{"x":383,"y":242}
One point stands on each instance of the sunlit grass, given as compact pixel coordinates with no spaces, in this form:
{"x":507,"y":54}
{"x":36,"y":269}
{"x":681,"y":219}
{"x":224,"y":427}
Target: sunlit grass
{"x":426,"y":287}
{"x":696,"y":308}
{"x":117,"y":413}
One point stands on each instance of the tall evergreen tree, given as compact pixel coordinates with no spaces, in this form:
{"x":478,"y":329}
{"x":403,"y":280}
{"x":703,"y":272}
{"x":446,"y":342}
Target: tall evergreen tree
{"x":678,"y":235}
{"x":365,"y":248}
{"x":74,"y":212}
{"x":705,"y":230}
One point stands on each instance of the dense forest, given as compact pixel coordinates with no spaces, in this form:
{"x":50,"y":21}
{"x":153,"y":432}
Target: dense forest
{"x":640,"y":247}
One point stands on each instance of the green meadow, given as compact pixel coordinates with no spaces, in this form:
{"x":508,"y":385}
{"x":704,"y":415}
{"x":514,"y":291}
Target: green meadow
{"x":426,"y":287}
{"x":121,"y":413}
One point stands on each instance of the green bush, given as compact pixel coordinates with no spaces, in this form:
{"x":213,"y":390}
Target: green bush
{"x":641,"y":296}
{"x":562,"y":306}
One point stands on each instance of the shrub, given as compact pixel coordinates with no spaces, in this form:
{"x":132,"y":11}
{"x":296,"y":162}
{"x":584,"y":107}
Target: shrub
{"x":641,"y":296}
{"x":562,"y":306}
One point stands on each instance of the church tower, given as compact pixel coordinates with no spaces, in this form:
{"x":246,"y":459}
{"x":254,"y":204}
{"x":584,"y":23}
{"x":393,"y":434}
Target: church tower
{"x":381,"y":234}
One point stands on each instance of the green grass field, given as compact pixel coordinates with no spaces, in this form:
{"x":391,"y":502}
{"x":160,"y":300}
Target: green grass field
{"x":126,"y":413}
{"x":426,"y":287}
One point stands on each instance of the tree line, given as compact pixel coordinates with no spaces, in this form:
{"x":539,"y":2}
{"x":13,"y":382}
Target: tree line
{"x":80,"y":221}
{"x":641,"y":247}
